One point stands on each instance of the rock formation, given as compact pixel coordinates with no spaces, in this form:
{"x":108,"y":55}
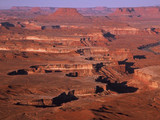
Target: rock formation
{"x":137,"y":13}
{"x":96,"y":11}
{"x":66,"y":15}
{"x":54,"y":102}
{"x":66,"y":12}
{"x":149,"y":76}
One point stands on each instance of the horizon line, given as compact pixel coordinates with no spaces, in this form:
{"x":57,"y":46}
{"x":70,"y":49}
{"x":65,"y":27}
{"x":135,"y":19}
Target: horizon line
{"x":79,"y":7}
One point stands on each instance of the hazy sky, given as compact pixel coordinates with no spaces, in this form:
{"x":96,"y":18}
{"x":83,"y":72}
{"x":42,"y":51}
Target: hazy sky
{"x":78,"y":3}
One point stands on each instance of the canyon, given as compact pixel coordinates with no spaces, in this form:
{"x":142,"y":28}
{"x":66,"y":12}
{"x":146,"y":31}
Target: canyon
{"x":79,"y":63}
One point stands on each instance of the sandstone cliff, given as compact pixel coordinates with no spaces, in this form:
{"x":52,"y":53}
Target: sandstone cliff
{"x":149,"y":76}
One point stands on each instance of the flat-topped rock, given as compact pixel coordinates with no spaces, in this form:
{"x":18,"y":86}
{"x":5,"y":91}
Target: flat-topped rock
{"x":67,"y":12}
{"x":65,"y":15}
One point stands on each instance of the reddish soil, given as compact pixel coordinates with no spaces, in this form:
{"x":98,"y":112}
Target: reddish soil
{"x":70,"y":66}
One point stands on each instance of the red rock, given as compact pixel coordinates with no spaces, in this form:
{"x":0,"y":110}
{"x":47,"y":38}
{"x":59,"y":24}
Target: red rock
{"x":69,"y":15}
{"x":67,"y":12}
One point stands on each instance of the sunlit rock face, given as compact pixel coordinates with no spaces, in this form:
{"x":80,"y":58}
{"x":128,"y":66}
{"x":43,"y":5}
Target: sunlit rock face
{"x":149,"y":75}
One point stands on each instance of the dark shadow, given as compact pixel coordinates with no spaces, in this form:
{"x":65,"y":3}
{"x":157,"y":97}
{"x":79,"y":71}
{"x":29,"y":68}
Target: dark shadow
{"x":149,"y":45}
{"x":102,"y":79}
{"x":98,"y":66}
{"x":128,"y":66}
{"x":48,"y":71}
{"x":7,"y":25}
{"x":43,"y":27}
{"x":24,"y":55}
{"x":117,"y":87}
{"x":99,"y":89}
{"x":56,"y":27}
{"x":72,"y":74}
{"x":57,"y":71}
{"x":19,"y":72}
{"x":138,"y":15}
{"x":35,"y":67}
{"x":139,"y":57}
{"x":122,"y":62}
{"x":154,"y":30}
{"x":109,"y":35}
{"x":130,"y":10}
{"x":64,"y":98}
{"x":120,"y":87}
{"x":90,"y":58}
{"x":12,"y":73}
{"x":80,"y":51}
{"x":55,"y":102}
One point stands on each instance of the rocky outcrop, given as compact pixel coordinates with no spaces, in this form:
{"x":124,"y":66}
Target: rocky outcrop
{"x":39,"y":50}
{"x":114,"y":85}
{"x":129,"y":12}
{"x":104,"y":58}
{"x":67,"y":12}
{"x":29,"y":25}
{"x":121,"y":54}
{"x":124,"y":31}
{"x":132,"y":31}
{"x":99,"y":88}
{"x":70,"y":66}
{"x":137,"y":13}
{"x":149,"y":76}
{"x":54,"y":102}
{"x":90,"y":51}
{"x":64,"y":98}
{"x":64,"y":15}
{"x":73,"y":70}
{"x":34,"y":46}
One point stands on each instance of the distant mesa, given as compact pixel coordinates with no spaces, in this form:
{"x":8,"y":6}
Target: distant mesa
{"x":42,"y":10}
{"x":96,"y":11}
{"x":130,"y":12}
{"x":35,"y":9}
{"x":61,"y":12}
{"x":137,"y":12}
{"x":68,"y":15}
{"x":125,"y":10}
{"x":21,"y":8}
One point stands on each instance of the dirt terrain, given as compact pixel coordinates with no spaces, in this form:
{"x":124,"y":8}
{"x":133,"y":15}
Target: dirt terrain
{"x":80,"y":64}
